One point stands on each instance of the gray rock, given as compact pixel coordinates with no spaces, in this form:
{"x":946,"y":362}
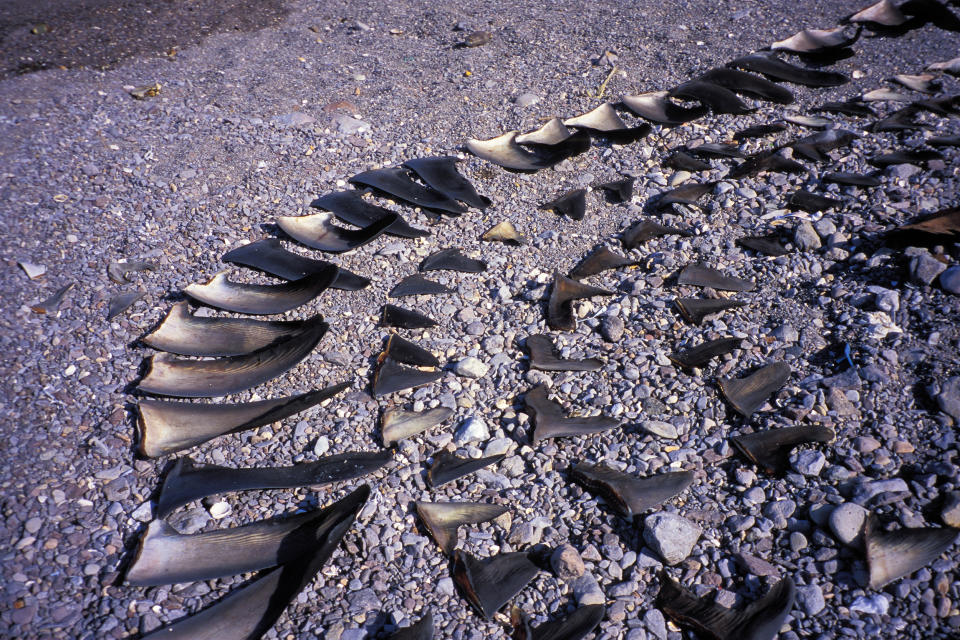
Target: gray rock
{"x":809,"y":463}
{"x":524,"y":534}
{"x":948,"y":399}
{"x":811,"y":599}
{"x":348,"y":125}
{"x":779,"y":510}
{"x":660,"y":428}
{"x":786,"y":333}
{"x":527,"y":99}
{"x":805,"y":237}
{"x":470,"y":368}
{"x":847,"y":521}
{"x":837,"y":401}
{"x":33,"y":525}
{"x":655,"y":623}
{"x":903,"y":171}
{"x":364,"y":600}
{"x":886,"y":299}
{"x":611,"y":328}
{"x":445,"y":586}
{"x":354,"y":634}
{"x":566,"y":562}
{"x":876,"y":604}
{"x":869,"y":490}
{"x":671,"y":536}
{"x":950,"y":280}
{"x":321,"y":446}
{"x":951,"y":509}
{"x":587,"y":591}
{"x":295,"y":119}
{"x":924,"y":269}
{"x":471,"y":430}
{"x":143,"y":513}
{"x":845,"y":380}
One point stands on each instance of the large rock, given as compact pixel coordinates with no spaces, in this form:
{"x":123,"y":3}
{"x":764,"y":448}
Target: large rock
{"x":924,"y":269}
{"x":671,"y":536}
{"x":949,"y":398}
{"x":470,"y":367}
{"x":470,"y":430}
{"x":587,"y":591}
{"x":950,"y":280}
{"x":805,"y":237}
{"x":566,"y":562}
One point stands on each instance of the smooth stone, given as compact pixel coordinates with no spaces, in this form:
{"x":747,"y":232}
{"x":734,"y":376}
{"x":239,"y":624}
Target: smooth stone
{"x":847,"y":521}
{"x":295,"y":119}
{"x":527,"y":99}
{"x":611,"y":328}
{"x":587,"y":591}
{"x":951,"y":509}
{"x":660,"y":428}
{"x":950,"y":280}
{"x":671,"y":536}
{"x":811,"y":599}
{"x":809,"y":462}
{"x":566,"y":562}
{"x":471,"y":430}
{"x":805,"y":237}
{"x":470,"y":367}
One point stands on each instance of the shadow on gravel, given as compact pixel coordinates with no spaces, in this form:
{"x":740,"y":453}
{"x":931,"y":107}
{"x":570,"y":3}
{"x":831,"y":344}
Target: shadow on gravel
{"x":47,"y":34}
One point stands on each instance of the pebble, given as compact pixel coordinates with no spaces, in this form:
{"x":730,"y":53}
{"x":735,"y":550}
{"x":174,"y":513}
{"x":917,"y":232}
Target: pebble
{"x":786,"y":333}
{"x":671,"y":536}
{"x":470,"y":368}
{"x":143,"y":513}
{"x":659,"y":428}
{"x":321,"y":446}
{"x":219,"y":510}
{"x":847,"y":521}
{"x":445,"y":586}
{"x":587,"y":590}
{"x":655,"y":623}
{"x":527,"y":99}
{"x":295,"y":119}
{"x":805,"y":237}
{"x":346,"y":124}
{"x":948,"y":398}
{"x":757,"y":566}
{"x":811,"y":599}
{"x":809,"y":463}
{"x":566,"y":562}
{"x":471,"y":430}
{"x":33,"y":525}
{"x":611,"y":328}
{"x":950,"y":280}
{"x":951,"y":509}
{"x":876,"y":604}
{"x":924,"y":269}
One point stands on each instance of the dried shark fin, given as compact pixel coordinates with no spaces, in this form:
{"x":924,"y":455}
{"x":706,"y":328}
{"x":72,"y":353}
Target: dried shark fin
{"x":261,"y":299}
{"x":768,"y":245}
{"x":441,"y":174}
{"x":645,"y":230}
{"x":704,"y":353}
{"x":164,"y":556}
{"x":121,"y":302}
{"x":771,"y":449}
{"x":939,"y":141}
{"x":550,"y":421}
{"x":884,"y":94}
{"x":443,"y":519}
{"x":504,"y":232}
{"x":657,"y":107}
{"x":685,"y":162}
{"x":505,"y":152}
{"x":269,"y":256}
{"x":687,"y":194}
{"x":717,"y":150}
{"x":922,"y":83}
{"x":774,"y":68}
{"x":748,"y":84}
{"x":447,"y":467}
{"x":52,"y":303}
{"x":816,"y":146}
{"x":391,"y":377}
{"x":598,"y":261}
{"x":407,"y":352}
{"x":167,"y":427}
{"x":351,"y":207}
{"x":810,"y":41}
{"x":851,"y":179}
{"x":696,"y":310}
{"x":574,"y":627}
{"x":760,"y":620}
{"x":627,"y":494}
{"x":452,"y":260}
{"x":544,"y":356}
{"x":951,"y":66}
{"x":396,"y":181}
{"x":717,"y":98}
{"x":699,"y":275}
{"x":317,"y":231}
{"x":811,"y":202}
{"x":175,"y":376}
{"x":421,"y":630}
{"x":765,"y":161}
{"x":572,"y":204}
{"x":812,"y":122}
{"x":748,"y":394}
{"x":188,"y":335}
{"x":417,"y":285}
{"x":188,"y":481}
{"x":605,"y":121}
{"x":759,"y":131}
{"x":553,"y":132}
{"x":618,"y":190}
{"x":560,"y":305}
{"x":489,"y":583}
{"x":394,"y":316}
{"x":853,"y":108}
{"x":250,"y":611}
{"x":892,"y":555}
{"x":397,"y":424}
{"x":942,"y":227}
{"x":912,"y":156}
{"x":881,"y":14}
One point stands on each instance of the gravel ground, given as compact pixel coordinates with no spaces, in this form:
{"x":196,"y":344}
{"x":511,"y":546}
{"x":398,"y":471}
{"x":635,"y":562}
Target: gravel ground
{"x":88,"y":175}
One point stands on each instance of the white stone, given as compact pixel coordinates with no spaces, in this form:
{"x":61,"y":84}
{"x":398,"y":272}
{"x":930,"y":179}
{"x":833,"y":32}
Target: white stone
{"x":470,"y":367}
